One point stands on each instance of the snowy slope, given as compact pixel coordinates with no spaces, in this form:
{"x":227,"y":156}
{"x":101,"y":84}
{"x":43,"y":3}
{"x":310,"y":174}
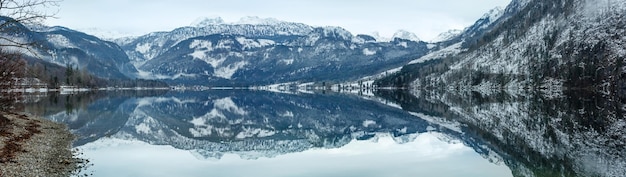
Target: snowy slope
{"x":63,"y":46}
{"x":533,"y":44}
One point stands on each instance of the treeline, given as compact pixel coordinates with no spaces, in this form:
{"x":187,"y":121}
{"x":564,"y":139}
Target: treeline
{"x":55,"y":76}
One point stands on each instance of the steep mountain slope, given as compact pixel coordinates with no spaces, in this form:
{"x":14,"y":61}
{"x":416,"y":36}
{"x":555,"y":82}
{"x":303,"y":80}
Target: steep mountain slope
{"x":265,"y":51}
{"x":65,"y":47}
{"x":536,"y":44}
{"x":448,"y":44}
{"x":101,"y":58}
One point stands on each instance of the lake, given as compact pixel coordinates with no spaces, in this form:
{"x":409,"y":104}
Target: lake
{"x":387,"y":133}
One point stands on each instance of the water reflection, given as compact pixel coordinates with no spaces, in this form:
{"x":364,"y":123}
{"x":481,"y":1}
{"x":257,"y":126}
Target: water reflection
{"x":425,"y":133}
{"x":426,"y":155}
{"x":539,"y":134}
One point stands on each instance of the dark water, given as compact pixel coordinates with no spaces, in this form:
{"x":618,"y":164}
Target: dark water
{"x":395,"y":133}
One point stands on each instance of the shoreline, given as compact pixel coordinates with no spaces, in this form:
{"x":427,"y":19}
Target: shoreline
{"x":32,"y":146}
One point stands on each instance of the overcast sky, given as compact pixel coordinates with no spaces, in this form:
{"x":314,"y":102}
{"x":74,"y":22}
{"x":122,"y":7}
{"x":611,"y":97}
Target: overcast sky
{"x":426,"y":18}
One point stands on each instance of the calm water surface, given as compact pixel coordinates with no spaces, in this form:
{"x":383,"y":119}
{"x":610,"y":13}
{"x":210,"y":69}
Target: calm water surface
{"x":395,"y":133}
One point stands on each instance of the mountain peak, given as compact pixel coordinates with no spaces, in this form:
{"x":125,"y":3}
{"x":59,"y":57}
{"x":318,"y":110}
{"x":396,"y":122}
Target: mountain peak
{"x":493,"y":14}
{"x":376,"y":35}
{"x":255,"y":20}
{"x":403,"y":34}
{"x":207,"y":21}
{"x":447,"y":35}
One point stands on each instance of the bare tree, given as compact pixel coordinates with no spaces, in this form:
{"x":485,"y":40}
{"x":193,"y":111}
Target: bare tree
{"x":14,"y":14}
{"x":29,"y":12}
{"x":11,"y":70}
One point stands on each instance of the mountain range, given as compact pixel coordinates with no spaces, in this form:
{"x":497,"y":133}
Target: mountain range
{"x":528,"y":45}
{"x":256,"y":51}
{"x":211,"y":52}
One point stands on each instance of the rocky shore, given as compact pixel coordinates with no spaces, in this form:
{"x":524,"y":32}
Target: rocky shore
{"x":32,"y":146}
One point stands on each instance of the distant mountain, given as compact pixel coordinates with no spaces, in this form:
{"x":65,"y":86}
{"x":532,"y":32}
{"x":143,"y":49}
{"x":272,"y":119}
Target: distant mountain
{"x":144,"y":48}
{"x":107,"y":35}
{"x":403,"y":34}
{"x":448,"y":35}
{"x":65,"y":47}
{"x":264,"y":51}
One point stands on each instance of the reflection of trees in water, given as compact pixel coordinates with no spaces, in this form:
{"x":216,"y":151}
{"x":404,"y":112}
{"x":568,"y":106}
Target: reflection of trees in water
{"x":90,"y":115}
{"x":577,"y":134}
{"x":54,"y":102}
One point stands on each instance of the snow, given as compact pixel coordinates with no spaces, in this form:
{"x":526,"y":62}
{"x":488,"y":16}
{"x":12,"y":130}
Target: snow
{"x":251,"y":133}
{"x":228,"y":71}
{"x":494,"y":14}
{"x":207,"y":21}
{"x":368,"y":123}
{"x":451,"y":125}
{"x":227,"y":104}
{"x":142,"y":128}
{"x":202,"y":126}
{"x":450,"y":50}
{"x":287,"y":114}
{"x":403,"y":34}
{"x":201,"y":49}
{"x":201,"y":44}
{"x":255,"y":20}
{"x":60,"y":41}
{"x":287,"y":61}
{"x":252,"y":44}
{"x":376,"y":35}
{"x":335,"y":31}
{"x":404,"y":44}
{"x":143,"y":48}
{"x":369,"y":52}
{"x":446,"y":35}
{"x":108,"y":34}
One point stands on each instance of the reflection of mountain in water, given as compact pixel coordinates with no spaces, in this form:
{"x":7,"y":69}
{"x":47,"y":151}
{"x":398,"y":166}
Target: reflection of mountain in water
{"x":260,"y":124}
{"x":250,"y":124}
{"x":575,"y":135}
{"x":533,"y":135}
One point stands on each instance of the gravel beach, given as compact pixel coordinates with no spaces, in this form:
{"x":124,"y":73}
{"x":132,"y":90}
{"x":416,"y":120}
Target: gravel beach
{"x":32,"y":146}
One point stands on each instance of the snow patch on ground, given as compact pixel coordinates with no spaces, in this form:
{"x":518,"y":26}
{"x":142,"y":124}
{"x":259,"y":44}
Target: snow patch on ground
{"x":369,"y":52}
{"x":287,"y":61}
{"x":143,"y":48}
{"x":368,"y":123}
{"x":60,"y":41}
{"x":228,"y":71}
{"x":252,"y":44}
{"x":450,"y":50}
{"x":286,"y":114}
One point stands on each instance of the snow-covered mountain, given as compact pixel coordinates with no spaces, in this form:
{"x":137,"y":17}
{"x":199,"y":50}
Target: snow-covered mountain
{"x":256,"y":51}
{"x":533,"y":44}
{"x":62,"y":47}
{"x":403,"y":34}
{"x":448,"y":35}
{"x":107,"y":34}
